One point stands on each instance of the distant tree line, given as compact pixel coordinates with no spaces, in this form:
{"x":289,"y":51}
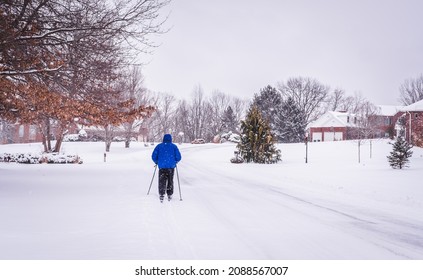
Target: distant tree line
{"x":201,"y":117}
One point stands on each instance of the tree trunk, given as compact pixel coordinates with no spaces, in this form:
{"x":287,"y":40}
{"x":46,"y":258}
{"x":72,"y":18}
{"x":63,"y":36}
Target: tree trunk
{"x":108,"y":144}
{"x":108,"y":137}
{"x":59,"y":142}
{"x":59,"y":139}
{"x":45,"y":132}
{"x":45,"y":143}
{"x":48,"y":135}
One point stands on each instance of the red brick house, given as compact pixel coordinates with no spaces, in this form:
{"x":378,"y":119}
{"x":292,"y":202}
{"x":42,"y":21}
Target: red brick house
{"x":19,"y":133}
{"x":332,"y":126}
{"x":409,"y":122}
{"x":389,"y":121}
{"x":23,"y":133}
{"x":384,"y":121}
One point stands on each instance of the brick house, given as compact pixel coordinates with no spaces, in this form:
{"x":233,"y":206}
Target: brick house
{"x":389,"y":121}
{"x":19,"y":133}
{"x":384,"y":121}
{"x":332,"y":126}
{"x":23,"y":133}
{"x":409,"y":122}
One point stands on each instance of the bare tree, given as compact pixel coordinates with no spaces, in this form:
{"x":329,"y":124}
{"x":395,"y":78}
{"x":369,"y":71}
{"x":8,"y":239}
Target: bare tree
{"x":336,"y":100}
{"x":68,"y":54}
{"x":219,"y":102}
{"x":411,"y":90}
{"x":200,"y":117}
{"x":42,"y":30}
{"x":198,"y":112}
{"x":366,"y":124}
{"x":135,"y":90}
{"x":240,"y":107}
{"x":309,"y":94}
{"x":183,"y":122}
{"x":166,"y":112}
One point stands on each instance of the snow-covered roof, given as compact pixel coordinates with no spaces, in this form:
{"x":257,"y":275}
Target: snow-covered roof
{"x":334,"y":119}
{"x":389,"y":110}
{"x":415,"y":107}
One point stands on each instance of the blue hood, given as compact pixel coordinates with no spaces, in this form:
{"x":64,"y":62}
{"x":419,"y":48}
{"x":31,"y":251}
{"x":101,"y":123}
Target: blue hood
{"x":167,"y":138}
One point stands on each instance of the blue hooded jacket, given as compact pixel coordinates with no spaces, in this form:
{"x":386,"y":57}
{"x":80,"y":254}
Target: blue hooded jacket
{"x":166,"y":154}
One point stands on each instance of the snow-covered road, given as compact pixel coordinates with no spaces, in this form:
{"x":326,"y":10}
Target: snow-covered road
{"x":322,"y":210}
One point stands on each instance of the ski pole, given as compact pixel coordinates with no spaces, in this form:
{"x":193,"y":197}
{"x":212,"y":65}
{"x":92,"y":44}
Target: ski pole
{"x":179,"y":184}
{"x":155,"y":168}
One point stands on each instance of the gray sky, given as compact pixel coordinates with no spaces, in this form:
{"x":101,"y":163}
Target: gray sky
{"x":238,"y":47}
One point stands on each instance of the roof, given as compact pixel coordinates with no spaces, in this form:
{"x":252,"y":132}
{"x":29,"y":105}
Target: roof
{"x":415,"y":107}
{"x":388,"y":110}
{"x":334,"y":119}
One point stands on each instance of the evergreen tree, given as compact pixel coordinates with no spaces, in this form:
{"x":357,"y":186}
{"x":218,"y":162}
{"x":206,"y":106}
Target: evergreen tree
{"x":401,"y":151}
{"x":290,"y":122}
{"x":269,"y":102}
{"x":229,"y":122}
{"x":257,"y":141}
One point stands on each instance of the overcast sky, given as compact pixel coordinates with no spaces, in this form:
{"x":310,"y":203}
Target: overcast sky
{"x":240,"y":46}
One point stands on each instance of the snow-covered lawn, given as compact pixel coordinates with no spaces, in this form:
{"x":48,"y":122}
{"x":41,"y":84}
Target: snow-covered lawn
{"x":331,"y":208}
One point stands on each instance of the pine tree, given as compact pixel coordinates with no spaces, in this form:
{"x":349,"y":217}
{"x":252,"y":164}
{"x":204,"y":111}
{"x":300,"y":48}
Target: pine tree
{"x":269,"y":102}
{"x":290,"y":122}
{"x":257,"y":141}
{"x":401,"y":151}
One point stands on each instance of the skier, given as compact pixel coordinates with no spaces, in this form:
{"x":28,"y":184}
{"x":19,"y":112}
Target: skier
{"x":166,"y":155}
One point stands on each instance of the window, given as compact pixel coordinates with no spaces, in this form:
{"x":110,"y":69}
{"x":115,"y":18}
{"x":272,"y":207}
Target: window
{"x":21,"y":131}
{"x":32,"y":132}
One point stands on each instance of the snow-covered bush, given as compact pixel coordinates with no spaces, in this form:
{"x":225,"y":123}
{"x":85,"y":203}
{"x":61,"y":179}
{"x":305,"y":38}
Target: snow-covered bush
{"x":28,"y":158}
{"x":119,"y":139}
{"x":237,"y":158}
{"x":20,"y":158}
{"x":231,"y":137}
{"x":82,"y":133}
{"x":31,"y":158}
{"x":71,"y":138}
{"x":58,"y":158}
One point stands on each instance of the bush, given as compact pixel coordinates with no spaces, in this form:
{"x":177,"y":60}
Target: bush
{"x":231,"y":137}
{"x":30,"y":158}
{"x":71,"y":138}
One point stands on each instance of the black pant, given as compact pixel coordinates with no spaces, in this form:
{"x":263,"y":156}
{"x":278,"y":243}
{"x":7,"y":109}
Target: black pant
{"x":166,"y":181}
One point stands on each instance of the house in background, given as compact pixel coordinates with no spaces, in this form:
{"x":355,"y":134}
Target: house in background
{"x":409,"y":123}
{"x":19,"y":133}
{"x":332,"y":126}
{"x":384,"y":121}
{"x":387,"y":122}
